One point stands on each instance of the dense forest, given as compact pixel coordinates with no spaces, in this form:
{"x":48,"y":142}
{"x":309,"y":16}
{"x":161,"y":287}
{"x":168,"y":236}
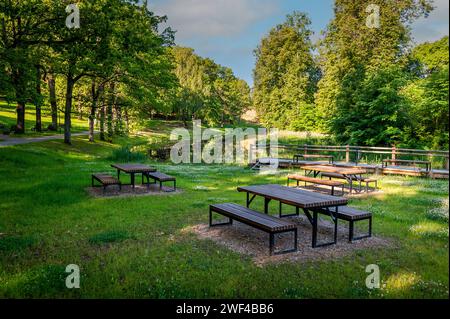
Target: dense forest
{"x":370,"y":87}
{"x":365,"y":86}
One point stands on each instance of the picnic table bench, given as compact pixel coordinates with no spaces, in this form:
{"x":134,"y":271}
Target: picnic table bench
{"x":306,"y":179}
{"x":413,"y":162}
{"x":161,"y":178}
{"x":353,"y":215}
{"x":132,"y":170}
{"x":350,"y":174}
{"x":311,"y":203}
{"x":266,"y":223}
{"x":306,"y":156}
{"x":360,"y":179}
{"x":106,"y":180}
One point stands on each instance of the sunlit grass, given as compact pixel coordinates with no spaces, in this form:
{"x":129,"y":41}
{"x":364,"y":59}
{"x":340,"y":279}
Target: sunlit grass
{"x":8,"y":117}
{"x":135,"y":246}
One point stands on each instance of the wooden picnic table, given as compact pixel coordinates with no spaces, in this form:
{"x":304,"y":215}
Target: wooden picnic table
{"x":132,"y":170}
{"x":311,"y":203}
{"x":306,"y":156}
{"x":413,"y":162}
{"x":350,"y":174}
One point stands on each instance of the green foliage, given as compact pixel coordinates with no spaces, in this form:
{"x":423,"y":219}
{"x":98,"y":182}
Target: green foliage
{"x":285,"y":76}
{"x":349,"y":48}
{"x":126,"y":154}
{"x":370,"y":110}
{"x":428,"y":97}
{"x":207,"y":91}
{"x":432,"y":56}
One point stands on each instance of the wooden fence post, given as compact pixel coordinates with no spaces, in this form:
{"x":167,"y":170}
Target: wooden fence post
{"x":394,"y":153}
{"x":347,"y":153}
{"x":446,"y":163}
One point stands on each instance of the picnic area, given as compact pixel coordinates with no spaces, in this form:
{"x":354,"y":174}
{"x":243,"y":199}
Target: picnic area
{"x":114,"y":157}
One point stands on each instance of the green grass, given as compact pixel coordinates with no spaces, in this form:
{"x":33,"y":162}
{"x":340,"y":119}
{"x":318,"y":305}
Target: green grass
{"x":8,"y":118}
{"x":135,"y":247}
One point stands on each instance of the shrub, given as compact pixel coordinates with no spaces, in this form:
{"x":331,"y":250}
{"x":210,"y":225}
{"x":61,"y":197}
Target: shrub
{"x":126,"y":154}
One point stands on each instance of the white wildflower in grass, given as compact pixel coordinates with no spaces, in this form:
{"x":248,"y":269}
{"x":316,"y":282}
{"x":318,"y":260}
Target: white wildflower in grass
{"x":429,"y":230}
{"x":439,"y":213}
{"x":203,"y":188}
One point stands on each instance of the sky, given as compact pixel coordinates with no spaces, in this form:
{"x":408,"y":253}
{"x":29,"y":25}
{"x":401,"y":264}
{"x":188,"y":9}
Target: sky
{"x":228,"y":31}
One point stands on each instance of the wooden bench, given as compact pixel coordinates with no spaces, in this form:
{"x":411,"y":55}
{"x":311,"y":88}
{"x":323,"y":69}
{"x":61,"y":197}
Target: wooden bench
{"x":296,"y":157}
{"x":161,"y":178}
{"x":306,"y":179}
{"x":266,"y":223}
{"x":353,"y":215}
{"x":358,"y":178}
{"x":414,"y":163}
{"x":106,"y":180}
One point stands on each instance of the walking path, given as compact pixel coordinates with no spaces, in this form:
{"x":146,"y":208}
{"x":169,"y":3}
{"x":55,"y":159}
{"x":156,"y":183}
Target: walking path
{"x":6,"y":140}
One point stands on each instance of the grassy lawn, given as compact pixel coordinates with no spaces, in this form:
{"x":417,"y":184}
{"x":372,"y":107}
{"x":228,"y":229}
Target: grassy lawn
{"x":8,"y":118}
{"x":135,"y":247}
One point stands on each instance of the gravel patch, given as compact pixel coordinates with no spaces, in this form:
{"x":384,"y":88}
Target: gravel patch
{"x":127,"y":191}
{"x":249,"y":241}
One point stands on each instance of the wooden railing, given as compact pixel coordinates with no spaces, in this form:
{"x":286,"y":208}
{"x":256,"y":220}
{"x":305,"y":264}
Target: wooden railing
{"x":355,"y":153}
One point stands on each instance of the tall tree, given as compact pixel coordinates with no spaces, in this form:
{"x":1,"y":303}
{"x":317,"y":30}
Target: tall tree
{"x":285,"y":74}
{"x":352,"y":51}
{"x":24,"y":24}
{"x":428,"y":96}
{"x":207,"y":91}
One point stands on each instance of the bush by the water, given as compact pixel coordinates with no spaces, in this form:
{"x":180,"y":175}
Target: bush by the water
{"x":127,"y":154}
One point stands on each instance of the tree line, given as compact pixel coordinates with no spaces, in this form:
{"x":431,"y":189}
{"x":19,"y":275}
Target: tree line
{"x":363,"y":85}
{"x":117,"y":65}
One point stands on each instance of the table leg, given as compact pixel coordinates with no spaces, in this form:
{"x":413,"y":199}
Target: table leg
{"x":314,"y":233}
{"x":132,"y":181}
{"x":266,"y":205}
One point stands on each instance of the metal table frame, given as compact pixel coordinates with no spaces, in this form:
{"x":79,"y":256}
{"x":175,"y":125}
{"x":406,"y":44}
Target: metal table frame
{"x":132,"y":172}
{"x":312,"y":214}
{"x":310,"y":170}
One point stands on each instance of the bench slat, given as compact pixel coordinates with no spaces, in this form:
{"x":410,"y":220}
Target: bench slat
{"x":253,"y":218}
{"x":161,"y":176}
{"x":315,"y":180}
{"x":106,"y":179}
{"x":350,"y":213}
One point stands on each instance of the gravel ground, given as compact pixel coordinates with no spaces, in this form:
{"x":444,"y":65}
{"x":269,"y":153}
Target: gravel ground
{"x":250,"y":241}
{"x":127,"y":191}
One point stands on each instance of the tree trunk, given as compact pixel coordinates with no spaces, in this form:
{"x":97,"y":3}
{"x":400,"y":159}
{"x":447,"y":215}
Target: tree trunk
{"x":91,"y":121}
{"x":111,"y":99}
{"x":68,"y":110}
{"x":96,"y":93}
{"x":80,"y":111}
{"x":19,"y":88}
{"x":20,"y":127}
{"x":118,"y":127}
{"x":92,"y":114}
{"x":38,"y":100}
{"x":102,"y":120}
{"x":127,"y":120}
{"x":53,"y":104}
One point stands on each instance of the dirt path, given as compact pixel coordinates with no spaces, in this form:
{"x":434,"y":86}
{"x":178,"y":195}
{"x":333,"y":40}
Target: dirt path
{"x":10,"y":141}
